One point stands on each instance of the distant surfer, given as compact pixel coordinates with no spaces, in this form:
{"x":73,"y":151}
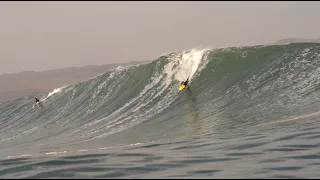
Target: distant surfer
{"x":38,"y":102}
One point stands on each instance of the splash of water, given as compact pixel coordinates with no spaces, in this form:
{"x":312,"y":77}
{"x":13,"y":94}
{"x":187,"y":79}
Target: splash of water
{"x":188,"y":64}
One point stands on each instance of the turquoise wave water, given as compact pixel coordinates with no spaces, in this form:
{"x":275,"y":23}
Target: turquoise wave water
{"x":246,"y":107}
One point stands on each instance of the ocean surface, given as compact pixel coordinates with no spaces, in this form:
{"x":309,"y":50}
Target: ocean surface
{"x":249,"y":112}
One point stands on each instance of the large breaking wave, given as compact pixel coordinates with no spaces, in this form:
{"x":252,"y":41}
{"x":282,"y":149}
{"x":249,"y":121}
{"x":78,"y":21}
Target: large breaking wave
{"x":231,"y":89}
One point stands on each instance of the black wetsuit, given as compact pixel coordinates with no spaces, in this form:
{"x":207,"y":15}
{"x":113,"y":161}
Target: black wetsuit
{"x":185,"y":82}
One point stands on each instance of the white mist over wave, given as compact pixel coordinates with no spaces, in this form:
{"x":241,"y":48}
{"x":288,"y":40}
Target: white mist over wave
{"x":188,"y":64}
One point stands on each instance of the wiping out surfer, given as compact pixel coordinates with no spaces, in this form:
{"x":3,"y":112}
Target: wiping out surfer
{"x":184,"y":84}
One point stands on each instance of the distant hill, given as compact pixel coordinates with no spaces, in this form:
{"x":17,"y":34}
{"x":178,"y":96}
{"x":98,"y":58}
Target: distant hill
{"x":295,"y":40}
{"x":13,"y":86}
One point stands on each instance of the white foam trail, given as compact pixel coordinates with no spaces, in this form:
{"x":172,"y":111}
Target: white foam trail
{"x":55,"y":91}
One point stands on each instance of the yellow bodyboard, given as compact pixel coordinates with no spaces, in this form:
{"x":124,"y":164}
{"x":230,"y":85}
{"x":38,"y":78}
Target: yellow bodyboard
{"x":182,"y":87}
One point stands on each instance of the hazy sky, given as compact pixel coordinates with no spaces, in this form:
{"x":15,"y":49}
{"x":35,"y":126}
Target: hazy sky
{"x":48,"y":35}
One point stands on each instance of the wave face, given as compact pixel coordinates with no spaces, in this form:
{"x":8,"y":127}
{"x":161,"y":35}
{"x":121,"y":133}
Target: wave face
{"x":245,"y":107}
